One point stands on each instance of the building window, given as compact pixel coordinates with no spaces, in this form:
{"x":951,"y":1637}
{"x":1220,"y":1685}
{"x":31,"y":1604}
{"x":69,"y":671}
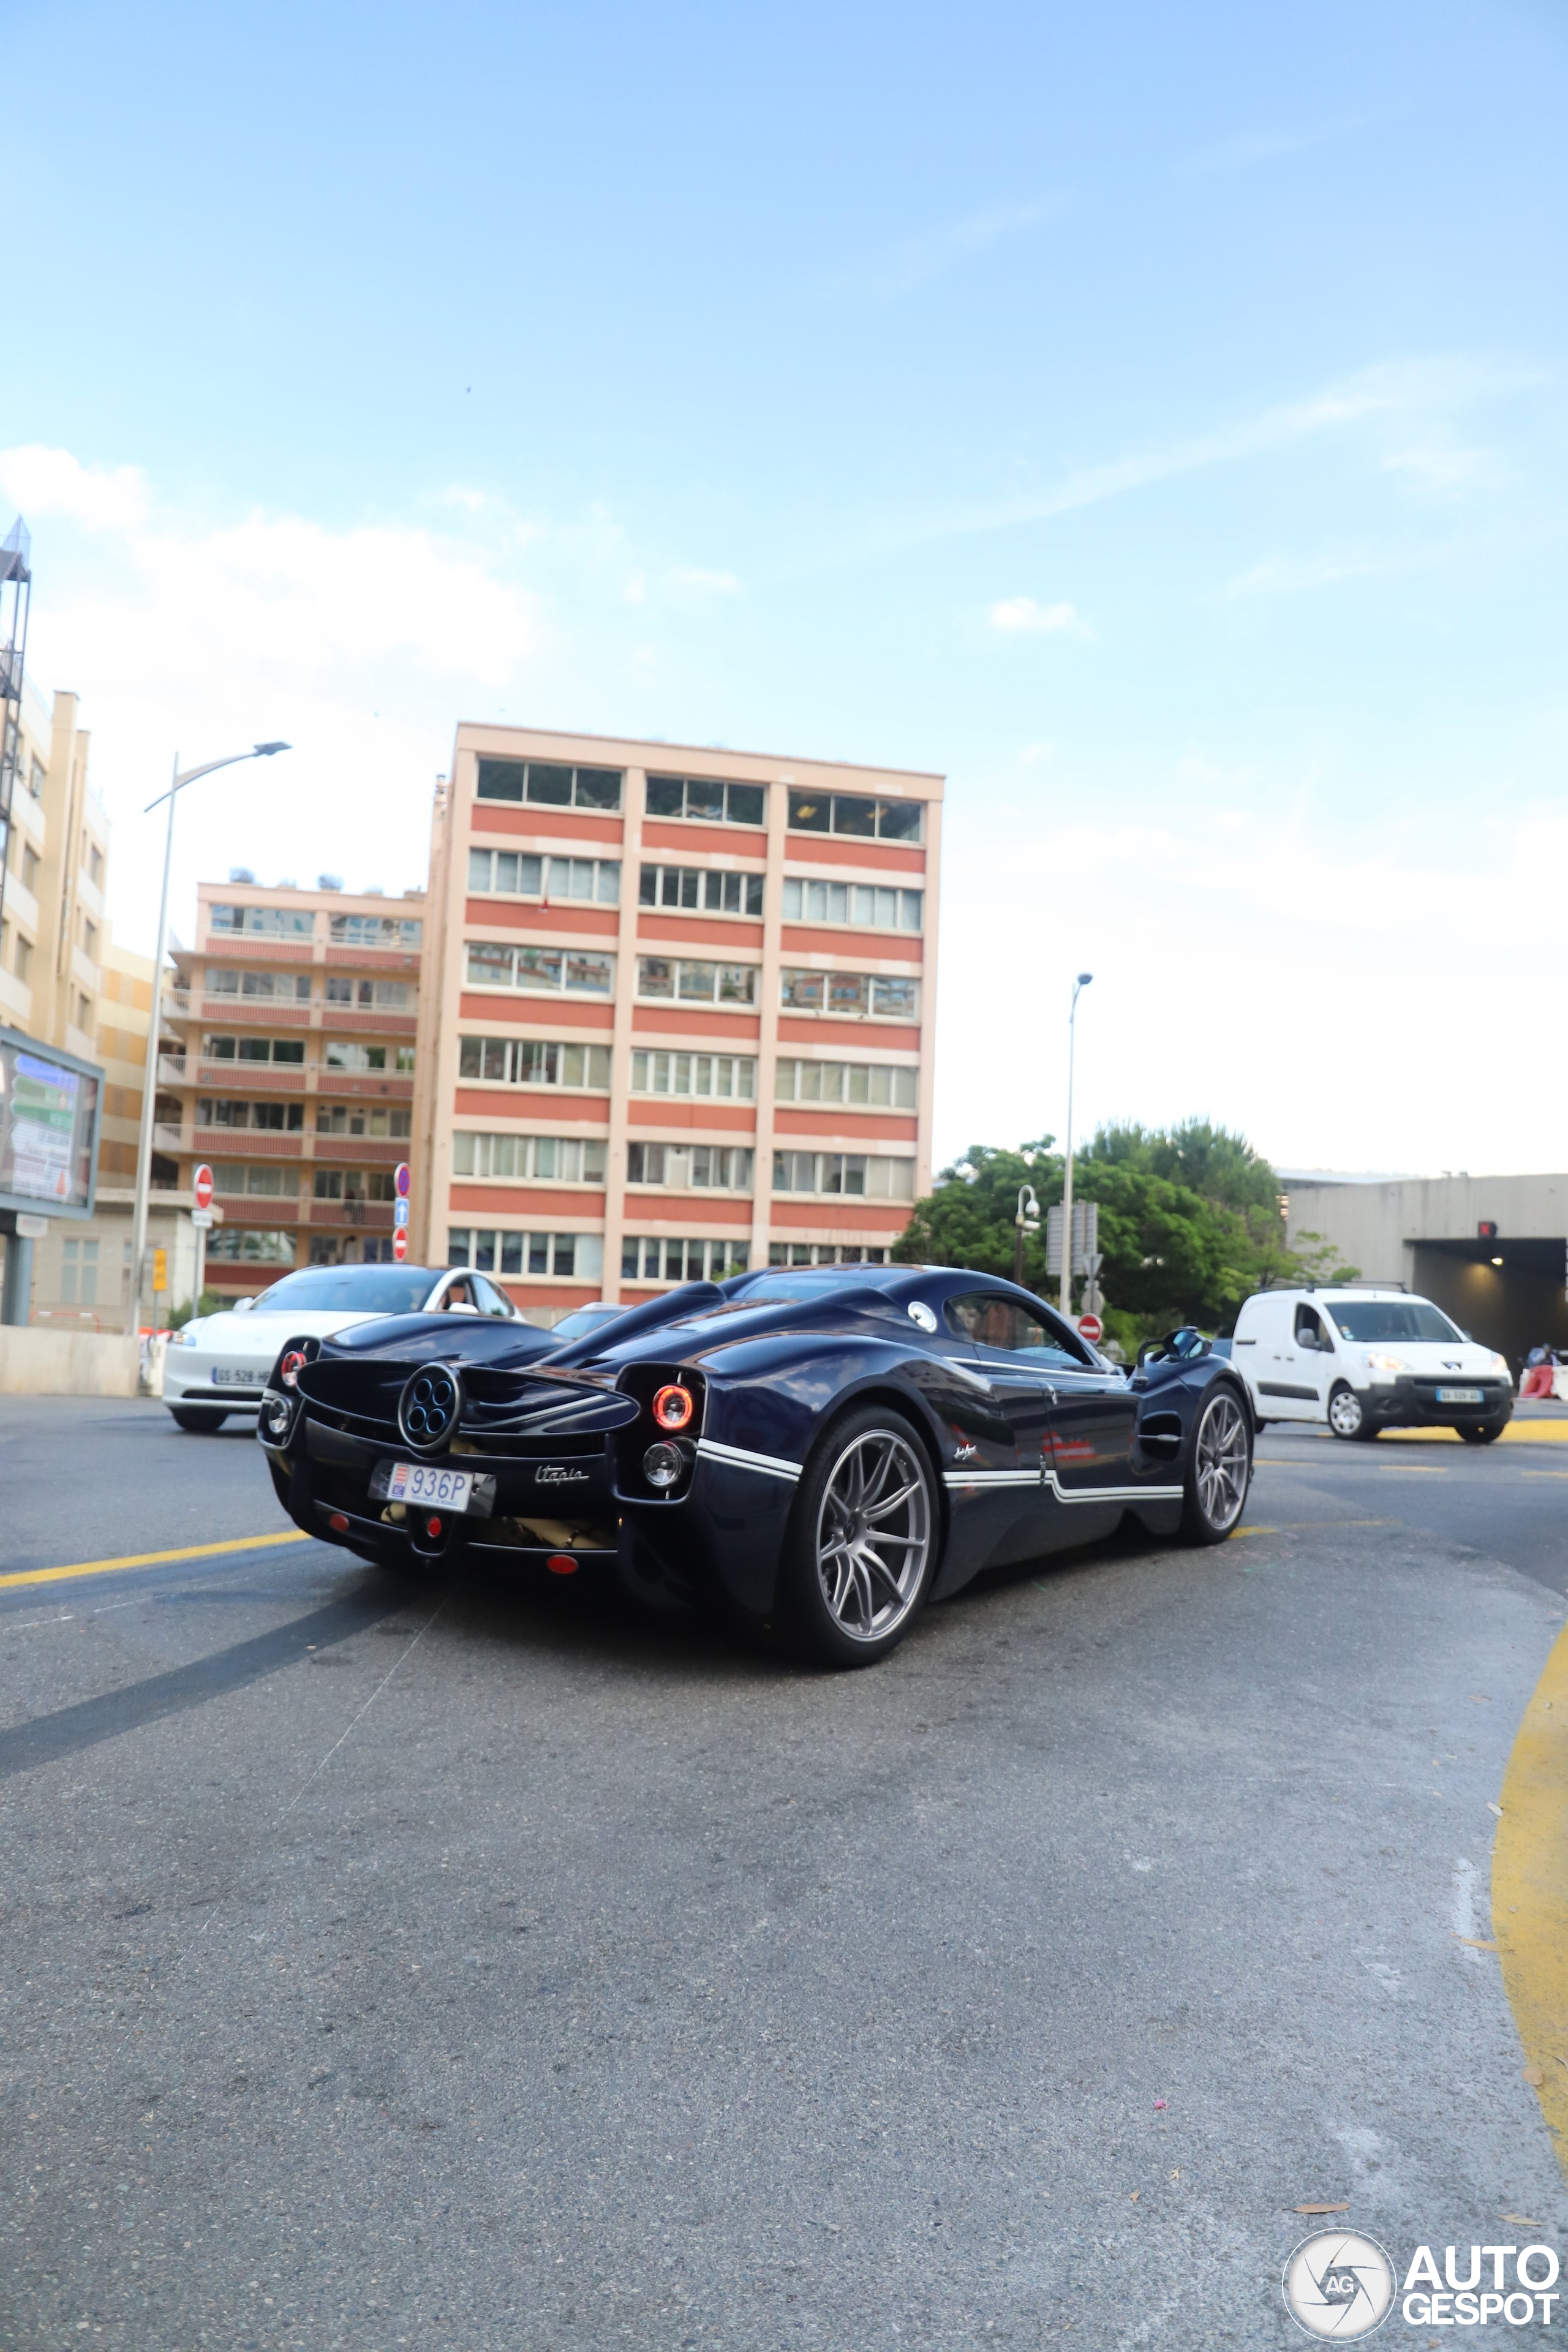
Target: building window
{"x":360,"y":1118}
{"x":728,"y":1077}
{"x":398,"y":933}
{"x":539,"y":1158}
{"x":83,"y":1013}
{"x":539,"y":971}
{"x":290,"y":987}
{"x":824,"y":1253}
{"x":701,"y":887}
{"x":859,"y":905}
{"x":266,"y":923}
{"x":90,"y":939}
{"x":385,"y":995}
{"x":702,"y":802}
{"x":30,"y":867}
{"x":253,"y":1049}
{"x":21,"y":961}
{"x":533,"y":1062}
{"x":276,"y":1118}
{"x":857,"y":1175}
{"x":696,"y":982}
{"x":576,"y":1257}
{"x":848,"y":812}
{"x":881,"y":1086}
{"x":78,"y":1274}
{"x":36,"y":775}
{"x":853,"y":994}
{"x":653,"y":1257}
{"x":94,"y":863}
{"x":243,"y":1244}
{"x":269,"y":1180}
{"x":690,"y":1167}
{"x":348,"y":1054}
{"x":354,"y":1185}
{"x":513,"y":874}
{"x":547,"y":786}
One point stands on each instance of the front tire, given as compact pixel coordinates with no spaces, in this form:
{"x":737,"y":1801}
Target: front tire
{"x":1479,"y":1432}
{"x":196,"y":1417}
{"x":1348,"y":1417}
{"x":1219,"y":1470}
{"x":862,"y":1541}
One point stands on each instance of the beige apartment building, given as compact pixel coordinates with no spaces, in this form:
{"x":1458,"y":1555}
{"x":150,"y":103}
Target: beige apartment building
{"x":53,"y":926}
{"x":295,"y":1015}
{"x":676,"y":1014}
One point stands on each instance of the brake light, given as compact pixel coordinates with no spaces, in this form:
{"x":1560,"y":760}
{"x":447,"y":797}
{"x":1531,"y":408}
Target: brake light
{"x":433,"y":1529}
{"x":338,"y":1523}
{"x":561,"y":1563}
{"x":289,"y":1370}
{"x":673,"y":1408}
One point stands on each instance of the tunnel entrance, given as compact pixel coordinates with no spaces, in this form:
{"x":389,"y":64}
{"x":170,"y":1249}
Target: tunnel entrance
{"x":1513,"y":1307}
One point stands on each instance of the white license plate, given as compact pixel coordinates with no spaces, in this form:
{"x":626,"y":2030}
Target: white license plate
{"x":422,"y":1482}
{"x":1462,"y":1396}
{"x":222,"y":1379}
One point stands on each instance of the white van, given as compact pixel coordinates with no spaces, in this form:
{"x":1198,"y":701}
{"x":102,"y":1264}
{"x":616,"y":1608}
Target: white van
{"x":1368,"y":1360}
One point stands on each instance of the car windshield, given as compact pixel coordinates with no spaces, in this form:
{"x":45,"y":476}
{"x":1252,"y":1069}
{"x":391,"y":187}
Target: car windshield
{"x":1391,"y":1318}
{"x":356,"y":1289}
{"x":584,"y":1320}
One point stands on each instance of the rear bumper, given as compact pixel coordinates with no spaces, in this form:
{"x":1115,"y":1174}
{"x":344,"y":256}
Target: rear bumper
{"x":203,"y":1391}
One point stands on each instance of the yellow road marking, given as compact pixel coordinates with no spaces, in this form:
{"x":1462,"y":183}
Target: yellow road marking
{"x":1530,"y":1888}
{"x":1530,"y":1433}
{"x":149,"y":1558}
{"x":1543,"y":1473}
{"x":1250,"y":1532}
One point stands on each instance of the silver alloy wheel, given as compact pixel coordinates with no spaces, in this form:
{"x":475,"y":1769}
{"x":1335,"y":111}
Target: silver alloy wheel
{"x":1345,"y":1415}
{"x":873,"y":1534}
{"x":1220,"y":1461}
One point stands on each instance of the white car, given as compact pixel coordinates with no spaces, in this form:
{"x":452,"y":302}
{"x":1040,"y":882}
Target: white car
{"x":219,"y":1364}
{"x":1367,"y":1360}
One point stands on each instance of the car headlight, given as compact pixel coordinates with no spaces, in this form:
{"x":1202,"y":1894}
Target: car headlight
{"x":1501,"y":1364}
{"x":1386,"y":1364}
{"x":187,"y":1338}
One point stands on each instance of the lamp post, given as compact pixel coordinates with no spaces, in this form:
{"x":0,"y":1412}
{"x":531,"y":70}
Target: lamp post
{"x":1081,"y":983}
{"x":1025,"y":1220}
{"x":150,"y":1081}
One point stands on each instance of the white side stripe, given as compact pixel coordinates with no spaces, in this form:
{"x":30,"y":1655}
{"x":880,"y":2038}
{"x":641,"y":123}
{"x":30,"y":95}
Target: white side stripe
{"x":1047,"y":1478}
{"x":772,"y":1466}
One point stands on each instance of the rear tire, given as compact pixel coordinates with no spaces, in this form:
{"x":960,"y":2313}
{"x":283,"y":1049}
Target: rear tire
{"x":1219,"y":1469}
{"x":862,"y":1542}
{"x":197,"y":1417}
{"x":1348,"y":1419}
{"x":1479,"y":1432}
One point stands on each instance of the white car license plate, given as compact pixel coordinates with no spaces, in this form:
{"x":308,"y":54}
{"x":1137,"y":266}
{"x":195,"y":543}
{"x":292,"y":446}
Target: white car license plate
{"x":242,"y":1380}
{"x":1462,"y":1396}
{"x":422,"y":1482}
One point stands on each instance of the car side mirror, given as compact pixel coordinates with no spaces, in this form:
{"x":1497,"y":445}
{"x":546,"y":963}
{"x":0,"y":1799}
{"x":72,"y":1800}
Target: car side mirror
{"x":243,"y":1305}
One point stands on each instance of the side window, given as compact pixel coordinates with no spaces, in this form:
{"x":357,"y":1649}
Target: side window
{"x":491,"y":1301}
{"x":1309,"y":1329}
{"x":1006,"y":1326}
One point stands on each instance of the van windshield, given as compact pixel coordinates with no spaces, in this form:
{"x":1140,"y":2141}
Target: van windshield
{"x":1366,"y":1319}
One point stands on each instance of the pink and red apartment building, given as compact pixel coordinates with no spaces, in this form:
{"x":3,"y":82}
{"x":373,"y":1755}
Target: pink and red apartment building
{"x":675,"y":1016}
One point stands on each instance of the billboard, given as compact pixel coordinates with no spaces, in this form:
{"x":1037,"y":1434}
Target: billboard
{"x":50,"y":1105}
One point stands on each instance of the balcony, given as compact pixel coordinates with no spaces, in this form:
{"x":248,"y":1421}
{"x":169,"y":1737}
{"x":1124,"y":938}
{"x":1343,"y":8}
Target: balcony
{"x":373,"y":1083}
{"x":365,"y":1216}
{"x":255,"y":947}
{"x":240,"y":1077}
{"x":363,"y":1151}
{"x":387,"y":959}
{"x":249,"y":1011}
{"x":353,"y":1023}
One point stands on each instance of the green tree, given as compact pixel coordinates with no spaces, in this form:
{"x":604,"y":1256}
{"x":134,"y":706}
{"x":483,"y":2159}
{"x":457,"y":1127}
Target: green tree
{"x":1189,"y":1222}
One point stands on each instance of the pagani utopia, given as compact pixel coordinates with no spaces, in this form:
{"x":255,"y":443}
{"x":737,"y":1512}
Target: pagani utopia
{"x":820,"y":1450}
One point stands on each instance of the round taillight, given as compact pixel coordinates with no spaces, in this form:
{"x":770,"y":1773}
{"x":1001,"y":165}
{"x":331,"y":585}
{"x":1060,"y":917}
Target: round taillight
{"x":433,"y":1529}
{"x":339,"y":1523}
{"x":289,"y":1370}
{"x":673,"y":1408}
{"x":663,"y":1464}
{"x":561,"y":1563}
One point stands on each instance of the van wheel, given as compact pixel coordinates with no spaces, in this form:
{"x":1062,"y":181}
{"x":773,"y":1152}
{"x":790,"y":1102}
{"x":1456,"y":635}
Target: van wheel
{"x":1346,"y":1418}
{"x":1479,"y":1432}
{"x":196,"y":1417}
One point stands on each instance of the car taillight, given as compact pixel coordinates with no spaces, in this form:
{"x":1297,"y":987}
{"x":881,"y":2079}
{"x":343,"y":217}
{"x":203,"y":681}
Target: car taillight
{"x":673,"y":1407}
{"x":289,"y":1370}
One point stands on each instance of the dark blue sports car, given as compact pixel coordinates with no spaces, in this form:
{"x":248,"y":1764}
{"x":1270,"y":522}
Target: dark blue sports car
{"x":820,"y":1449}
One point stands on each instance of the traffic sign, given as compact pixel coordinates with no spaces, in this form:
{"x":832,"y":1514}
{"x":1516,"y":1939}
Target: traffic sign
{"x":202,"y":1186}
{"x":202,"y":1219}
{"x":160,"y":1269}
{"x":400,"y":1244}
{"x":400,"y":1214}
{"x":403,"y":1179}
{"x":1091,"y":1328}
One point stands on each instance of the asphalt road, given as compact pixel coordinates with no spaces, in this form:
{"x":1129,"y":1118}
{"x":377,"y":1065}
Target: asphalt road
{"x":466,"y":1968}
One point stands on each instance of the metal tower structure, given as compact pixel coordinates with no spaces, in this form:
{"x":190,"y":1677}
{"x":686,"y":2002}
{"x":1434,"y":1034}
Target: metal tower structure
{"x":16,"y":603}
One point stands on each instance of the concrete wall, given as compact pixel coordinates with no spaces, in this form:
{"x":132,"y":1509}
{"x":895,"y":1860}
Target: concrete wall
{"x":66,"y":1364}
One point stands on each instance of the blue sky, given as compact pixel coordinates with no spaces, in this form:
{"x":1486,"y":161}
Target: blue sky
{"x":1152,"y":419}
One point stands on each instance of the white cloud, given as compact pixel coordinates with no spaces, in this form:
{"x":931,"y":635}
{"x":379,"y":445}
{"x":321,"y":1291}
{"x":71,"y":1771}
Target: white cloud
{"x":1286,"y":576}
{"x":52,"y":482}
{"x":689,"y":580}
{"x":1022,"y":613}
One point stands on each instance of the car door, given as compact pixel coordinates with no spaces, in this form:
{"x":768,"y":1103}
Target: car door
{"x":1290,"y":1379}
{"x":1015,"y":1353}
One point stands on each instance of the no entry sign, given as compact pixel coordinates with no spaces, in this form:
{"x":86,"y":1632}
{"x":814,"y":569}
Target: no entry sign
{"x":202,"y":1186}
{"x":400,"y":1245}
{"x":1092,"y":1328}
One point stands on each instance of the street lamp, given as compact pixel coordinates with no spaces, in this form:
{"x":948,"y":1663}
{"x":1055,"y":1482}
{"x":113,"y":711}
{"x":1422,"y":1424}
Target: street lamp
{"x":1026,"y":1221}
{"x":1081,"y":983}
{"x":150,"y":1082}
